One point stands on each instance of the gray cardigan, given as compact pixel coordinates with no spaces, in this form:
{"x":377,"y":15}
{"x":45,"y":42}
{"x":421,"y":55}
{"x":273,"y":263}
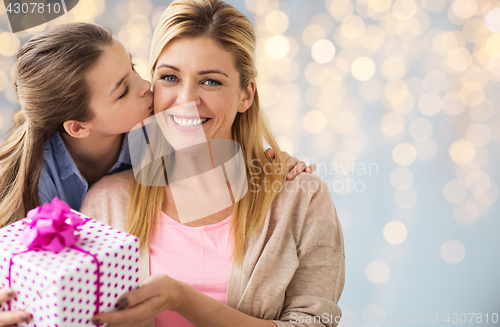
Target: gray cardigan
{"x":293,"y":271}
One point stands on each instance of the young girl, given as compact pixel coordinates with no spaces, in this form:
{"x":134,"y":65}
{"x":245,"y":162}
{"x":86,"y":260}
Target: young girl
{"x":77,"y":102}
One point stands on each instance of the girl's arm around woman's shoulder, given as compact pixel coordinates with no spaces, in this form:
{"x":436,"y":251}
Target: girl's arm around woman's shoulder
{"x":315,"y":288}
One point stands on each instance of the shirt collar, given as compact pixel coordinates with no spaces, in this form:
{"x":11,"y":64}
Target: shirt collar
{"x":124,"y":156}
{"x":66,"y":164}
{"x":63,"y":159}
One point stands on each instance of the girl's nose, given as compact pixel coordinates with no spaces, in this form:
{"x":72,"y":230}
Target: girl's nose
{"x":145,"y":87}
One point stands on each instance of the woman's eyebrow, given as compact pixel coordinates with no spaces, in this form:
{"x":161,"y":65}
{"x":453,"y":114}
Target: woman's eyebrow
{"x":203,"y":72}
{"x":169,"y":66}
{"x":212,"y":71}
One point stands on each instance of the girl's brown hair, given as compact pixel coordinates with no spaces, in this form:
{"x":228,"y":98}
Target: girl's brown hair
{"x":234,"y":33}
{"x":51,"y":88}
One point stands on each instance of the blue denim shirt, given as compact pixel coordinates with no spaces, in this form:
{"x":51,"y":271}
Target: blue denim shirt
{"x":60,"y":177}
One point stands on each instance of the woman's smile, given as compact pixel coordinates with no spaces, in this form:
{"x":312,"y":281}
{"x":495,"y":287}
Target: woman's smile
{"x":188,"y":124}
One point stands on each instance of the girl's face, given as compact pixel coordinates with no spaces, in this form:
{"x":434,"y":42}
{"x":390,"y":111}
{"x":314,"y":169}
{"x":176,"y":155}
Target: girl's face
{"x":120,"y":98}
{"x":197,"y":89}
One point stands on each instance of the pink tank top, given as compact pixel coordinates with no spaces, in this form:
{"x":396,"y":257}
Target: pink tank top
{"x":198,"y":256}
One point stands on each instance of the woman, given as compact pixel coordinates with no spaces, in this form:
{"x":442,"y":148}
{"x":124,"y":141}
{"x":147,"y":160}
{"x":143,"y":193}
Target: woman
{"x":79,"y":94}
{"x":284,"y":262}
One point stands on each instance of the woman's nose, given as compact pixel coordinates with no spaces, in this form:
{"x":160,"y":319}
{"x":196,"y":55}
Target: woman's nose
{"x":187,"y":93}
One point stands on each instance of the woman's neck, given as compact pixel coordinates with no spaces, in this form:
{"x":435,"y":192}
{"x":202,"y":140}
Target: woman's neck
{"x":169,"y":207}
{"x":94,"y":156}
{"x":195,"y":178}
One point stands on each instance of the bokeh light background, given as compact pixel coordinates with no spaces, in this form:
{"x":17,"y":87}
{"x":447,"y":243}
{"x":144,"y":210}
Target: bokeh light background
{"x":397,"y":103}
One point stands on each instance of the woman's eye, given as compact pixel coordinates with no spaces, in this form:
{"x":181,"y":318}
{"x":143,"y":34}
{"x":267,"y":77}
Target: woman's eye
{"x":212,"y":82}
{"x":124,"y":93}
{"x":170,"y":78}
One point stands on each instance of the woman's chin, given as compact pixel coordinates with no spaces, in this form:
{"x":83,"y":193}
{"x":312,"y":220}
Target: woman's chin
{"x":189,"y":148}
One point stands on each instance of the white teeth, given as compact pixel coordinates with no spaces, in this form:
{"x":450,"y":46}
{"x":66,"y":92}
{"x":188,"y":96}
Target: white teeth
{"x":189,"y":122}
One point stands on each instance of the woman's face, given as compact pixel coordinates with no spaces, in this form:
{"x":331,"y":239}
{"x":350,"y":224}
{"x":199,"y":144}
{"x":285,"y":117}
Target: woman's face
{"x":120,"y":98}
{"x":197,"y":91}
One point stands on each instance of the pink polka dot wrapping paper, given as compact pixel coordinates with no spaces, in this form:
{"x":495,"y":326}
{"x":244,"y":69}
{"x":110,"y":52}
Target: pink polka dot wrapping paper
{"x":60,"y":289}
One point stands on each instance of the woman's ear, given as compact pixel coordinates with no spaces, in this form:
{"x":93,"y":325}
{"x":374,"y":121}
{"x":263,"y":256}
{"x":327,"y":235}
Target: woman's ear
{"x":247,"y":96}
{"x":76,"y":129}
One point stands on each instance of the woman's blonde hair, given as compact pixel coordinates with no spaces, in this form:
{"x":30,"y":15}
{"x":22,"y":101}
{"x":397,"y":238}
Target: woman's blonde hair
{"x":234,"y":33}
{"x":51,"y":87}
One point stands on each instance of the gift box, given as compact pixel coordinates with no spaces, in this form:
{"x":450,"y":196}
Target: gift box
{"x":65,"y":267}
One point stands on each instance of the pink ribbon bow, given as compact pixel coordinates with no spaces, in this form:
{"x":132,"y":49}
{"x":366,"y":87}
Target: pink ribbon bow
{"x":49,"y":228}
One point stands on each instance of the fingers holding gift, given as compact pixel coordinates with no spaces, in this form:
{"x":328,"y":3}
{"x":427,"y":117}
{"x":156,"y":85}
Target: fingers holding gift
{"x":133,"y":316}
{"x":137,"y":307}
{"x":6,"y":294}
{"x":9,"y":318}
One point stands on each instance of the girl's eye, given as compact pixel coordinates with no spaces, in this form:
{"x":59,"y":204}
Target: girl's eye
{"x":212,"y":82}
{"x":170,"y":78}
{"x":124,"y":93}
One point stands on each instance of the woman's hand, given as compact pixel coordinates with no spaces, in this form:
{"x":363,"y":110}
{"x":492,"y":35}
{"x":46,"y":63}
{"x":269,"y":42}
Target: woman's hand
{"x":293,"y":165}
{"x":9,"y":318}
{"x":157,"y":294}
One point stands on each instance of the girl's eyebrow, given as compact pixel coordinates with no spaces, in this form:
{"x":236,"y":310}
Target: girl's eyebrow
{"x":117,"y":85}
{"x":120,"y":82}
{"x":203,"y":72}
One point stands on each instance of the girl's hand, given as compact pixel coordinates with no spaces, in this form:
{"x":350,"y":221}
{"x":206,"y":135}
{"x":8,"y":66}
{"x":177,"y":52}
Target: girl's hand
{"x":293,"y":165}
{"x":9,"y":318}
{"x":157,"y":294}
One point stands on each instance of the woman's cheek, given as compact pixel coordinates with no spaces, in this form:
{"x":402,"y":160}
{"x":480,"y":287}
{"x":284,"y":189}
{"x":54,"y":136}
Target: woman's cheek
{"x":163,"y":97}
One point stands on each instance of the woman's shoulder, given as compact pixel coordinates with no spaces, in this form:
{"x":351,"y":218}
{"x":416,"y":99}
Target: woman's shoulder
{"x":302,"y":189}
{"x":107,"y":200}
{"x":304,"y":206}
{"x":115,"y":185}
{"x":114,"y":182}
